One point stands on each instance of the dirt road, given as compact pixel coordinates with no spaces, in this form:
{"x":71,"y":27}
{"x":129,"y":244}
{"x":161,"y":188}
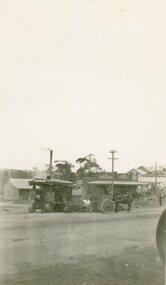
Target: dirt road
{"x":79,"y":248}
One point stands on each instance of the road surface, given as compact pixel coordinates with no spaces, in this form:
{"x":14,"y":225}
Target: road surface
{"x":79,"y":248}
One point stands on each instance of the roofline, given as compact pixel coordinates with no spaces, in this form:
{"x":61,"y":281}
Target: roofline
{"x":50,"y":182}
{"x":124,"y":183}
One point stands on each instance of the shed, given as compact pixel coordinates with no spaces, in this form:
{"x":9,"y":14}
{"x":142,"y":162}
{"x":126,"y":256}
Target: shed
{"x":17,"y":189}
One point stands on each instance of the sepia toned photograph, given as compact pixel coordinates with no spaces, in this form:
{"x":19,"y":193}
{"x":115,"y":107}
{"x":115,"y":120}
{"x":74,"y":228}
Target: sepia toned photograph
{"x":83,"y":142}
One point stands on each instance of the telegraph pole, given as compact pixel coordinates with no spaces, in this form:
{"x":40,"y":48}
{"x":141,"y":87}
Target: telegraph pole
{"x":156,"y":177}
{"x":112,"y":173}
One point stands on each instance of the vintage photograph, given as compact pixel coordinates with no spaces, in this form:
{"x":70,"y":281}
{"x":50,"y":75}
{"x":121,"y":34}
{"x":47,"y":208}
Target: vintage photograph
{"x":83,"y":142}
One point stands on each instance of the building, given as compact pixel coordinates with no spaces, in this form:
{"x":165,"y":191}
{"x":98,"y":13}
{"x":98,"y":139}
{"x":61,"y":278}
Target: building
{"x":99,"y":188}
{"x":137,"y":172}
{"x":146,"y":170}
{"x":153,"y":179}
{"x":123,"y":183}
{"x":17,"y":189}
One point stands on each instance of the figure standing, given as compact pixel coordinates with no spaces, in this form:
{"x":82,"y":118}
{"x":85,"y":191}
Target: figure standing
{"x":161,"y":197}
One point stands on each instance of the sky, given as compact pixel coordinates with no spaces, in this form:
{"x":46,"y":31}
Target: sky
{"x":80,"y":77}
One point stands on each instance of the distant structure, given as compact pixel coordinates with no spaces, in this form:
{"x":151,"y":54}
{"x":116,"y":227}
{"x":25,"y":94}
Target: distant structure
{"x":152,"y":178}
{"x":17,"y":189}
{"x":123,"y":183}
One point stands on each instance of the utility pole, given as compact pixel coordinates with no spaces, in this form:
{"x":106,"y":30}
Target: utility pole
{"x":156,"y":177}
{"x":112,"y":174}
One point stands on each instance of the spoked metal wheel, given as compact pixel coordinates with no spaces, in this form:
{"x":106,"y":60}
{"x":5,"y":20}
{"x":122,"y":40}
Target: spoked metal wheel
{"x":107,"y":206}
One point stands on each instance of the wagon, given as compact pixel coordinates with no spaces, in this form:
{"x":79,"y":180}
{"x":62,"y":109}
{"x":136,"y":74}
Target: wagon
{"x":107,"y":204}
{"x":107,"y":200}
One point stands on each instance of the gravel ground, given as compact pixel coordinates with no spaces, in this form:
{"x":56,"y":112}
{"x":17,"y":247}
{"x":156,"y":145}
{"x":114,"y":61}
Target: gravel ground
{"x":79,"y":248}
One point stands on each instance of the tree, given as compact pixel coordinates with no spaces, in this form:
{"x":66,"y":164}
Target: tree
{"x":88,"y":166}
{"x":5,"y":177}
{"x":16,"y":173}
{"x":35,"y":171}
{"x":63,"y":170}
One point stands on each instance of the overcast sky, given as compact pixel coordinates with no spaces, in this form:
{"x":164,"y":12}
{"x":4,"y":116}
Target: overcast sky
{"x":80,"y":77}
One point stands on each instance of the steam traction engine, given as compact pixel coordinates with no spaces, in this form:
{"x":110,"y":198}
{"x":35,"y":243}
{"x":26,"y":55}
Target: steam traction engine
{"x":50,"y":195}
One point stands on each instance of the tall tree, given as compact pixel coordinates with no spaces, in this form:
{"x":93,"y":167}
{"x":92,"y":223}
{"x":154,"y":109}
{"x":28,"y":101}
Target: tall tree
{"x":88,"y":166}
{"x":63,"y":170}
{"x":16,"y":173}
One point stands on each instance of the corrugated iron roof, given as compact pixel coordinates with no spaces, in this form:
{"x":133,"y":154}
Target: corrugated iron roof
{"x":124,"y":183}
{"x":146,"y":168}
{"x":140,"y":171}
{"x":20,"y":183}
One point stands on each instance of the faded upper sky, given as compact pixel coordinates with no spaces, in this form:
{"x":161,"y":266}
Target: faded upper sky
{"x":80,"y":77}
